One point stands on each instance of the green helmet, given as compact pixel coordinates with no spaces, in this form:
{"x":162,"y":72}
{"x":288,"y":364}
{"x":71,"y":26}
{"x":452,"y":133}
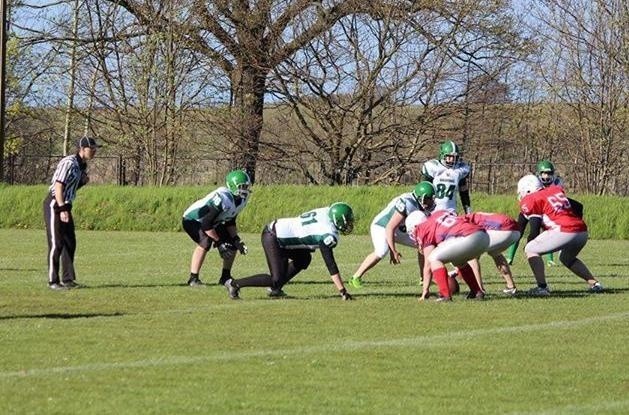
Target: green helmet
{"x":342,"y":216}
{"x":238,"y":183}
{"x":448,"y":148}
{"x":546,"y":167}
{"x":424,"y":193}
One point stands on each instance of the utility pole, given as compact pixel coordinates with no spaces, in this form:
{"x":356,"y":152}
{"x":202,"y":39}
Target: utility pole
{"x":3,"y":77}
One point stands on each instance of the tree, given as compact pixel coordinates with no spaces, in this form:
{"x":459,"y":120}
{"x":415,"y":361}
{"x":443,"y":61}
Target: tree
{"x":249,"y":39}
{"x":584,"y":64}
{"x":370,"y":94}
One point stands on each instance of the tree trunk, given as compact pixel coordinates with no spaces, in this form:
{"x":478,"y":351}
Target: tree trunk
{"x":249,"y":84}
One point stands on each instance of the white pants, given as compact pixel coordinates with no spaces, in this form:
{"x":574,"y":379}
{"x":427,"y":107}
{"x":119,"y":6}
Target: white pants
{"x":460,"y":250}
{"x":500,"y":240}
{"x":570,"y":244}
{"x":379,"y":240}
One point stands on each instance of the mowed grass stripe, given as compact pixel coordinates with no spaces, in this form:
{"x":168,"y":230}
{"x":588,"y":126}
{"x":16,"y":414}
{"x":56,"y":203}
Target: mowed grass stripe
{"x":592,"y":408}
{"x":419,"y":341}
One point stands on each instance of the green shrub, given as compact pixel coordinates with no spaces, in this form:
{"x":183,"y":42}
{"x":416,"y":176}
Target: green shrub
{"x":161,"y":208}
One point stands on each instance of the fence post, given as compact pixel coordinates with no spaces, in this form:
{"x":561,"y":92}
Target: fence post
{"x":122,"y":179}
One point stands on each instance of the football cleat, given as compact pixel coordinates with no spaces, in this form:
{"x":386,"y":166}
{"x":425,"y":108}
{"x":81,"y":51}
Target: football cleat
{"x":57,"y":287}
{"x":597,"y":287}
{"x":275,"y":292}
{"x":510,"y":291}
{"x":479,"y":295}
{"x":539,"y":292}
{"x":195,"y":282}
{"x":356,"y":282}
{"x":232,"y":291}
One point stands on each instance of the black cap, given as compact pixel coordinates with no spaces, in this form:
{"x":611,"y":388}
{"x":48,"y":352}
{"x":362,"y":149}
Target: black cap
{"x":87,"y":142}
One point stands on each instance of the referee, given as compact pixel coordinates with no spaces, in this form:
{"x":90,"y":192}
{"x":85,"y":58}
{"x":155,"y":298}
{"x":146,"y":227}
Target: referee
{"x":69,"y":176}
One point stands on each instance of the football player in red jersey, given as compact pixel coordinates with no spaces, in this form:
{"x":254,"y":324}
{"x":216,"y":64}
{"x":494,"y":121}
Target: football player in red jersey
{"x":503,"y":231}
{"x":549,"y":208}
{"x":442,"y":238}
{"x":545,"y":172}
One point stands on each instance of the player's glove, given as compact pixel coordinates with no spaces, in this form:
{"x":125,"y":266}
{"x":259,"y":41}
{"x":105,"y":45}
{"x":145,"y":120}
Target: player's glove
{"x":226,"y":250}
{"x":345,"y":295}
{"x":240,"y":245}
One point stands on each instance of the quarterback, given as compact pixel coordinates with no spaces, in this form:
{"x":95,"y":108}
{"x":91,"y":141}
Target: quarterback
{"x":449,"y":175}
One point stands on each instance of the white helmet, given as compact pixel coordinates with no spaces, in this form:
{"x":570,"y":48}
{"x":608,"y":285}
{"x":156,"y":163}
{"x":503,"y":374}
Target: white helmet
{"x":413,"y":220}
{"x":528,"y":184}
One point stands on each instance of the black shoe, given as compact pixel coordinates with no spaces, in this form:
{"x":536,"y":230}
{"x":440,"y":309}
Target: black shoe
{"x":275,"y":292}
{"x":195,"y":282}
{"x":223,"y":280}
{"x":476,"y":295}
{"x":231,"y":290}
{"x":71,"y":284}
{"x":56,"y":286}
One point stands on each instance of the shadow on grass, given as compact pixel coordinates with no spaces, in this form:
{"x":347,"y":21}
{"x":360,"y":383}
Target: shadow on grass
{"x":62,"y":316}
{"x":368,"y":283}
{"x":124,"y":285}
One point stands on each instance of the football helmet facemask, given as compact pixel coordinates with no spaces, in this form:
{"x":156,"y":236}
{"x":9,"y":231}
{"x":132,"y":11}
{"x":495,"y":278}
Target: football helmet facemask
{"x":342,"y":216}
{"x":424,"y":193}
{"x":238,"y":183}
{"x":448,"y":148}
{"x":545,"y":172}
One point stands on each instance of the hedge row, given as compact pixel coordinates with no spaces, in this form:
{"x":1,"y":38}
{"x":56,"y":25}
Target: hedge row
{"x":161,"y":208}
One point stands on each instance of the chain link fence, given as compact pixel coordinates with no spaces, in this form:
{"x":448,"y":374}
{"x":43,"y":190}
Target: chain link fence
{"x":490,"y":178}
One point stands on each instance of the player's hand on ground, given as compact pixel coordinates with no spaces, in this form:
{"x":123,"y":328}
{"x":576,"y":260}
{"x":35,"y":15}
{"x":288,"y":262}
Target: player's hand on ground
{"x":395,"y":257}
{"x":345,"y":296}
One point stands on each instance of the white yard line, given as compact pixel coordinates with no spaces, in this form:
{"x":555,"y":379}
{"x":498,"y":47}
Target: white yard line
{"x":345,"y":345}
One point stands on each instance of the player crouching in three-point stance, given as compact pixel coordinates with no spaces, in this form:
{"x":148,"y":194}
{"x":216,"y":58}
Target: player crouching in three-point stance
{"x":288,"y":244}
{"x":387,"y":228}
{"x":212,"y":221}
{"x":444,"y":237}
{"x":550,"y":208}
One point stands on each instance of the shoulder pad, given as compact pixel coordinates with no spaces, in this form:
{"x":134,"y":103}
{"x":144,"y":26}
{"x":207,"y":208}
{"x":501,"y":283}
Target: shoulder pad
{"x":430,"y":166}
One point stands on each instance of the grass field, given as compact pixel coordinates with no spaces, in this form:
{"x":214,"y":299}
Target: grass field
{"x":136,"y":340}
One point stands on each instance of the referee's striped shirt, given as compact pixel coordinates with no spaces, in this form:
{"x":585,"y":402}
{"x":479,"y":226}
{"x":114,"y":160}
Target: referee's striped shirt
{"x":68,"y":172}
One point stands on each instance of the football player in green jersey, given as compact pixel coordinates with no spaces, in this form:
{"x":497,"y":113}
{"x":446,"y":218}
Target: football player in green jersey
{"x":387,"y":228}
{"x":211,"y":221}
{"x":288,"y":244}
